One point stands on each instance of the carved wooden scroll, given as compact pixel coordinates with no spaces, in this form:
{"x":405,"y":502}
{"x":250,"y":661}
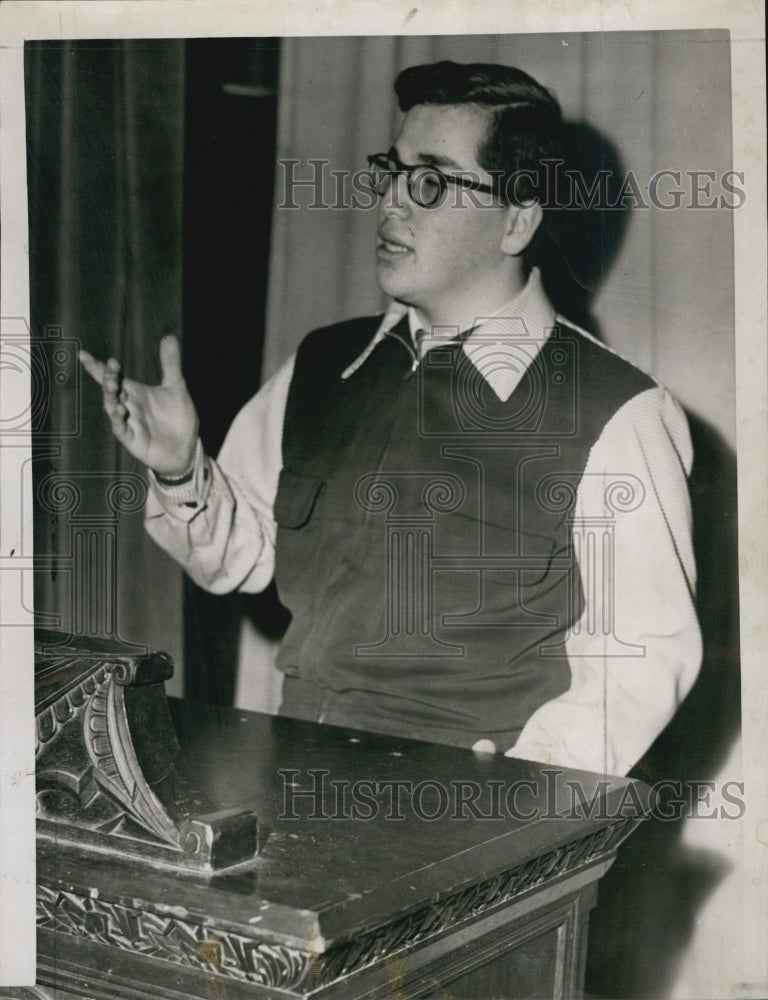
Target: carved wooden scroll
{"x":111,"y":776}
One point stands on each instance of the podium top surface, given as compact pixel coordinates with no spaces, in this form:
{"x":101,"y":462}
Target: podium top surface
{"x":359,"y":827}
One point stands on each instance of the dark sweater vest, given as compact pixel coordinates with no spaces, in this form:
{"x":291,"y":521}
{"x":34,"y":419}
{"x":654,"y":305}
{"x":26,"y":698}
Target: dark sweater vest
{"x":424,"y":546}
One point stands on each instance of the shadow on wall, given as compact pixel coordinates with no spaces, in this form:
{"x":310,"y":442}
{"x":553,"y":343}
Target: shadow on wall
{"x":580,"y":239}
{"x":649,"y":900}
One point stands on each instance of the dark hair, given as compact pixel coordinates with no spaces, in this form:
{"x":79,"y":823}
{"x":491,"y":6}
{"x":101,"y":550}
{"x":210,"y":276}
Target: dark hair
{"x":525,"y":124}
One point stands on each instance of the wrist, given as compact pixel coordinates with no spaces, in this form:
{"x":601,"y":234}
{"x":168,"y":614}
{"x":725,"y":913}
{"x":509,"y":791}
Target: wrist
{"x":186,"y":492}
{"x":166,"y":480}
{"x":182,"y":475}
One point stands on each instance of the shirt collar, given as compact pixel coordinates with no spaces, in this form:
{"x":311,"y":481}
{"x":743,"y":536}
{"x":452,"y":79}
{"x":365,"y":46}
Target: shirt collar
{"x":501,"y":345}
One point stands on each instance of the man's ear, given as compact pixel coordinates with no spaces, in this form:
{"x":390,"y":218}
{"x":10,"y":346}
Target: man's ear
{"x":522,"y":223}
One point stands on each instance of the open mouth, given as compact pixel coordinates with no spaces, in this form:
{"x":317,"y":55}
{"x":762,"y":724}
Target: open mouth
{"x":392,"y":247}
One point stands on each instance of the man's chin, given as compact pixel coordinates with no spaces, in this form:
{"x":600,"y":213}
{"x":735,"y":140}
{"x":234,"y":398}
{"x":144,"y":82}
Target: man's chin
{"x":393,"y":284}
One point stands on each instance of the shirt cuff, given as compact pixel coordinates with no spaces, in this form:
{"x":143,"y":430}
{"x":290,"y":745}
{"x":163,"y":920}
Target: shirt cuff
{"x":188,"y":495}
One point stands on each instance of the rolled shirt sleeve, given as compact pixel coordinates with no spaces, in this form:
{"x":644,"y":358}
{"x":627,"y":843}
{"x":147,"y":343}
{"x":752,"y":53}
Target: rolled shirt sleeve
{"x":636,"y":649}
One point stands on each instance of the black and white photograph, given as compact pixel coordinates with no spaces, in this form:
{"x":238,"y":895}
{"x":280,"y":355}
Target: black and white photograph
{"x":383,"y":471}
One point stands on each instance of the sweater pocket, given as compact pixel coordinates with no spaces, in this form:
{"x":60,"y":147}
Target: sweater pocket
{"x":299,"y":572}
{"x":297,"y":494}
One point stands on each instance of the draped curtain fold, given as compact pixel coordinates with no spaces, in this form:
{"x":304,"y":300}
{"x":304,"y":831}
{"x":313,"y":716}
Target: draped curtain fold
{"x":105,"y":162}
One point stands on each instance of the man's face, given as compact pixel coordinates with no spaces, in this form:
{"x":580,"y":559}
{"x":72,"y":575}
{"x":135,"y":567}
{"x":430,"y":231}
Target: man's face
{"x":446,"y":260}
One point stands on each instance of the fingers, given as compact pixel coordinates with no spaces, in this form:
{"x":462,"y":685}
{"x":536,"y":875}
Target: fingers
{"x":111,"y":384}
{"x":114,"y":405}
{"x":107,"y":375}
{"x":115,"y":396}
{"x":170,"y":361}
{"x":112,"y":378}
{"x":484,"y":746}
{"x":94,"y":368}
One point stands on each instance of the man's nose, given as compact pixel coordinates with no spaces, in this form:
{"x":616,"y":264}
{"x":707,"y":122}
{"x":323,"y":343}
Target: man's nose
{"x":396,"y":201}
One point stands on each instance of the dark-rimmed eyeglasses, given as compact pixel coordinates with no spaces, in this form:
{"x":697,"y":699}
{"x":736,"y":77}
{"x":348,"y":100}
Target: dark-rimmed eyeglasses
{"x":426,"y":184}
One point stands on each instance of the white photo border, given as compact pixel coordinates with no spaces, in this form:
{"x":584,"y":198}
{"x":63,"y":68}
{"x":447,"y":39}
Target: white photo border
{"x":22,"y":20}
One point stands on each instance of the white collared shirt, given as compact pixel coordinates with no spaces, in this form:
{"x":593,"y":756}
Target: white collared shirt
{"x":626,"y":682}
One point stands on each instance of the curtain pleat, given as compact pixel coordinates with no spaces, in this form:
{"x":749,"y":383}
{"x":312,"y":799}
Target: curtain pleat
{"x":105,"y":148}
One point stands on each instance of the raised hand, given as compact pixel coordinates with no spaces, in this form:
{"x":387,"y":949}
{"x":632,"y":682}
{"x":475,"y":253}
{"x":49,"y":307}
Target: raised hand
{"x":157,"y":424}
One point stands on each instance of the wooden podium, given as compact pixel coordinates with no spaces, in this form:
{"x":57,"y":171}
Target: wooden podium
{"x":264,"y":857}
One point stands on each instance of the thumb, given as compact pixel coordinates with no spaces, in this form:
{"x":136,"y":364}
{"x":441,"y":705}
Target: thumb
{"x":170,"y":361}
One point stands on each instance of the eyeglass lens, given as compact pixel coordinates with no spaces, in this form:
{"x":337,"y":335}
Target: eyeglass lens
{"x":426,"y":185}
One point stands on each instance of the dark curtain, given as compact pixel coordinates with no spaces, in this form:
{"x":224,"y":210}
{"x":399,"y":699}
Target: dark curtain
{"x":231,"y":102}
{"x":105,"y":128}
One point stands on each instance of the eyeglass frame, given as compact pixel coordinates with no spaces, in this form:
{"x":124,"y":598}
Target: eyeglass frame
{"x":408,"y":171}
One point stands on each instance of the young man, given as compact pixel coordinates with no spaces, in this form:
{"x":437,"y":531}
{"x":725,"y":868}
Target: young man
{"x":476,"y":514}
